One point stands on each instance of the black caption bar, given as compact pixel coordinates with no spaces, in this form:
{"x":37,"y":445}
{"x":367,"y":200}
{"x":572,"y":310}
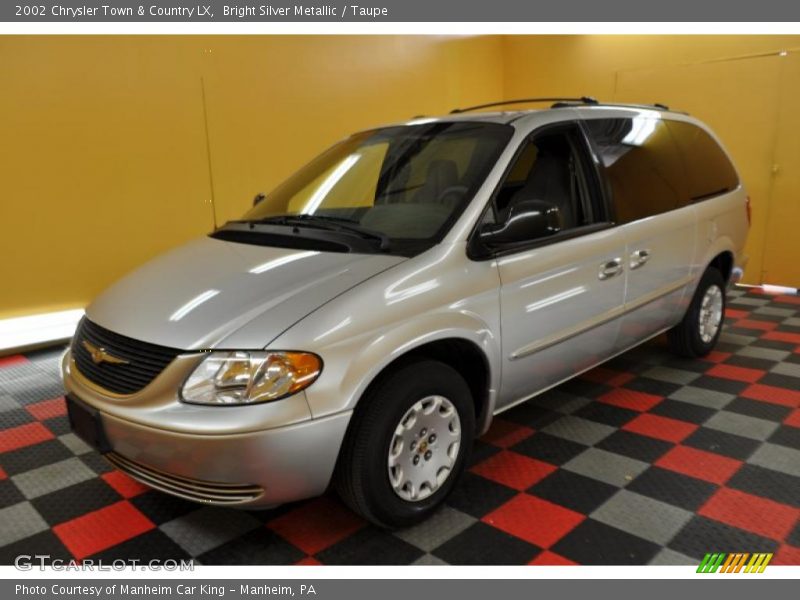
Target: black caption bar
{"x":106,"y":11}
{"x":391,"y":589}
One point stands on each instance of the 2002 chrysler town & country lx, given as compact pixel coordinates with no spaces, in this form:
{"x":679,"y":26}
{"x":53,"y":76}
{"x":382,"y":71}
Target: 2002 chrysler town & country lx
{"x":362,"y":323}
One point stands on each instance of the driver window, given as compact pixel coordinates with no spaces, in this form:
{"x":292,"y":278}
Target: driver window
{"x":548,"y":170}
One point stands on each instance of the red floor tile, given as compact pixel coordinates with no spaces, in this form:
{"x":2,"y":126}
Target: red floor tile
{"x":24,"y":435}
{"x":607,"y":376}
{"x":786,"y":299}
{"x":736,"y":373}
{"x":317,"y":524}
{"x":793,"y":419}
{"x":782,"y":336}
{"x":662,"y":428}
{"x":548,"y":558}
{"x":699,"y":464}
{"x":126,"y":486}
{"x":10,"y":361}
{"x":754,"y":324}
{"x":3,"y":474}
{"x":514,"y":470}
{"x":751,"y":513}
{"x":716,"y":356}
{"x":534,"y":520}
{"x":101,"y":529}
{"x":47,"y":409}
{"x":505,"y":434}
{"x":774,"y":395}
{"x":734,"y":313}
{"x":787,"y":555}
{"x":625,"y":398}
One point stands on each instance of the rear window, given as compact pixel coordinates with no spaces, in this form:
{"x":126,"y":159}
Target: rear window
{"x":643,"y":166}
{"x":709,"y":172}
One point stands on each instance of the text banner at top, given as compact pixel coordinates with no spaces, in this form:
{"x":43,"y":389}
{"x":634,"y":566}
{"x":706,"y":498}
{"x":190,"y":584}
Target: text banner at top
{"x":388,"y":11}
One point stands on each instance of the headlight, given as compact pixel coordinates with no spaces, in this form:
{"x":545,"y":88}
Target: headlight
{"x":231,"y":378}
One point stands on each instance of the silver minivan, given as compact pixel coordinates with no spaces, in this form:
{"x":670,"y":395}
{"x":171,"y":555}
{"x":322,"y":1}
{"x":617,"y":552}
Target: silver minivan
{"x":364,"y":321}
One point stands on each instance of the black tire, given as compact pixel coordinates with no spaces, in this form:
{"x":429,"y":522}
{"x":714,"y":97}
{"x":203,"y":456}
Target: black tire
{"x":362,"y":478}
{"x":684,"y":338}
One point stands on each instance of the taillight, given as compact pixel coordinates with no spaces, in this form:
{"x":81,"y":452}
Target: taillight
{"x":749,"y":211}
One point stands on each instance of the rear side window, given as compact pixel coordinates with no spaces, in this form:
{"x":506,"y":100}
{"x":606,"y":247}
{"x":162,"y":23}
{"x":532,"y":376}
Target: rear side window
{"x":709,"y":172}
{"x":642,"y":164}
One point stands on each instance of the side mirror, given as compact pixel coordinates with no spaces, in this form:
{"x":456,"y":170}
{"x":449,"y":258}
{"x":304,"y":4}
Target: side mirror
{"x":526,"y":221}
{"x":258,"y":198}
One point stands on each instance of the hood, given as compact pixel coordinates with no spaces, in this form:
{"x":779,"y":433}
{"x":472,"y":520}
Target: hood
{"x":203,"y":295}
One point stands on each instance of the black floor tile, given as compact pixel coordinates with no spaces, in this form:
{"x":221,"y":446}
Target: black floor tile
{"x":701,"y":535}
{"x":549,"y":448}
{"x":720,"y":442}
{"x":640,"y":447}
{"x":767,"y":483}
{"x":683,"y":411}
{"x":496,"y":548}
{"x":75,"y":500}
{"x":477,"y":496}
{"x":607,"y":414}
{"x":595,"y":543}
{"x":257,"y":547}
{"x":370,"y":546}
{"x":576,"y":492}
{"x":35,"y":456}
{"x":673,"y":488}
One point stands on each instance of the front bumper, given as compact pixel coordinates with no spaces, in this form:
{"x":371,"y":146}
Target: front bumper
{"x":255,"y":457}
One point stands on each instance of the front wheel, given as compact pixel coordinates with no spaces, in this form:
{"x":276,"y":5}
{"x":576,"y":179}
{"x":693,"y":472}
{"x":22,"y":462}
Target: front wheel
{"x":698,"y":332}
{"x":407,"y":445}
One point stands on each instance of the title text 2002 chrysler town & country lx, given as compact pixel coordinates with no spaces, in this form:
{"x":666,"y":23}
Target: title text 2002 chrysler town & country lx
{"x":363,"y":322}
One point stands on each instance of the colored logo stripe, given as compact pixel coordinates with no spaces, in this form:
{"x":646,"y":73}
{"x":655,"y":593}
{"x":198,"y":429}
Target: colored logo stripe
{"x":733,"y":563}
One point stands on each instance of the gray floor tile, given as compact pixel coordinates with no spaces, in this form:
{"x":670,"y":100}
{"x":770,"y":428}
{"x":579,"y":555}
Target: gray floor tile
{"x":702,"y":397}
{"x":749,"y":427}
{"x":671,"y":375}
{"x":606,"y":466}
{"x":18,"y":522}
{"x":777,"y":458}
{"x":53,"y":477}
{"x":669,"y":558}
{"x":432,"y":533}
{"x":579,"y":430}
{"x":642,"y":516}
{"x":207,"y":528}
{"x":764,"y":353}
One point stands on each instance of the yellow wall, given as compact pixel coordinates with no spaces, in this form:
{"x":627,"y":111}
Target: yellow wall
{"x":740,"y":85}
{"x":102,"y":144}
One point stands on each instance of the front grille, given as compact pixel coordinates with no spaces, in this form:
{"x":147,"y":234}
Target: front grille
{"x":208,"y":492}
{"x":145,"y":361}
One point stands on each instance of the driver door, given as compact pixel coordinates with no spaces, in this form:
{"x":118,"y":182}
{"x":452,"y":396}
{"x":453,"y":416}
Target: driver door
{"x":562,"y":294}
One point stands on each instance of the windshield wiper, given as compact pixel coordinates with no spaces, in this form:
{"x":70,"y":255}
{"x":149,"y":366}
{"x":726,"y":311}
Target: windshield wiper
{"x":341,"y":224}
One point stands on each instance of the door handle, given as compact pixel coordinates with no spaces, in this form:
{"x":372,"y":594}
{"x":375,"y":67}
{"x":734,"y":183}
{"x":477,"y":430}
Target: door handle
{"x":638,"y":258}
{"x":610,"y":268}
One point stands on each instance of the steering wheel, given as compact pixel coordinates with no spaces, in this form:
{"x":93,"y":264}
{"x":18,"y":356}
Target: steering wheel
{"x":454,"y":190}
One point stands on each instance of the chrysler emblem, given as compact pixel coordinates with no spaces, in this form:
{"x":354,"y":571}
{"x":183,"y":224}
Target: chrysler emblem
{"x":99,"y":355}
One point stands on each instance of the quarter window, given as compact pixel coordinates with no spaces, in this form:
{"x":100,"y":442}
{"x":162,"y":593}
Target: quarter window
{"x":709,"y":172}
{"x":642,"y":164}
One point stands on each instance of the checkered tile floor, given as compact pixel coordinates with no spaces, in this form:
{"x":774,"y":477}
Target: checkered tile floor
{"x":649,"y":459}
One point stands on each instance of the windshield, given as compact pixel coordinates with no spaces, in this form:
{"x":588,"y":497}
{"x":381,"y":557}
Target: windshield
{"x":404,"y":185}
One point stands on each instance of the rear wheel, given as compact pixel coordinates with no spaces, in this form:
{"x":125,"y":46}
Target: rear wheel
{"x":698,"y":332}
{"x":407,"y":445}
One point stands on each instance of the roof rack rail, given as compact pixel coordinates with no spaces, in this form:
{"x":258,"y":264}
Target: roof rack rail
{"x":582,"y":100}
{"x":655,"y":105}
